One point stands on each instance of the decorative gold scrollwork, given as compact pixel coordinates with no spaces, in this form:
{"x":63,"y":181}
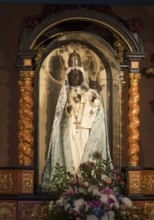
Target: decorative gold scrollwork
{"x":8,"y":210}
{"x":8,"y":182}
{"x":148,"y":182}
{"x":27,"y":181}
{"x":134,"y":184}
{"x":39,"y":54}
{"x":119,"y":47}
{"x":33,"y":209}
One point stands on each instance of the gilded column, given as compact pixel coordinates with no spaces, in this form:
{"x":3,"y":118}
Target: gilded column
{"x":122,"y":85}
{"x":120,"y":47}
{"x":134,"y":122}
{"x":134,"y":108}
{"x":20,"y":119}
{"x":25,"y":122}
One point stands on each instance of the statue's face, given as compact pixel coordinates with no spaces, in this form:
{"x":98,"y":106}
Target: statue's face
{"x":75,"y":77}
{"x":93,"y":84}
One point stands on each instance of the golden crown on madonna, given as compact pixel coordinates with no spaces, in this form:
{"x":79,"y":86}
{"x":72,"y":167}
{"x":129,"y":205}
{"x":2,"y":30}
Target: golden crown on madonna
{"x":74,"y":59}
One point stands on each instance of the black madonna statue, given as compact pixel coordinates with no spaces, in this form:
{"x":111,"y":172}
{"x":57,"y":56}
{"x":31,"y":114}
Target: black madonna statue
{"x":79,"y":127}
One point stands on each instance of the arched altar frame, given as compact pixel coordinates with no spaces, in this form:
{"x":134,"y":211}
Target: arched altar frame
{"x":129,"y":54}
{"x":108,"y":81}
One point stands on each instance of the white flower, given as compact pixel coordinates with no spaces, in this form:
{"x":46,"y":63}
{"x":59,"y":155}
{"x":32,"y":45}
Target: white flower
{"x":105,"y":217}
{"x":112,"y":197}
{"x":96,"y":191}
{"x":51,"y":205}
{"x":86,"y":206}
{"x":66,"y":206}
{"x":60,"y":201}
{"x":81,"y":190}
{"x":104,"y":198}
{"x":78,"y":203}
{"x":106,"y":179}
{"x":90,"y":188}
{"x":86,"y":183}
{"x":127,"y":202}
{"x":109,"y":216}
{"x":91,"y":217}
{"x":116,"y":205}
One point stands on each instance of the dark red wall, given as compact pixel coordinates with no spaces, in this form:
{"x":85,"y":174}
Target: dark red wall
{"x":11,"y":16}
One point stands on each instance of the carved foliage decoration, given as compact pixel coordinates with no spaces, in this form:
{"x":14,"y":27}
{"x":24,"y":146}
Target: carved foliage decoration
{"x":8,"y":210}
{"x":16,"y":181}
{"x":141,"y":182}
{"x":8,"y":182}
{"x":149,"y":209}
{"x":147,"y":186}
{"x":32,"y":210}
{"x":119,"y":47}
{"x":27,"y":181}
{"x":134,"y":181}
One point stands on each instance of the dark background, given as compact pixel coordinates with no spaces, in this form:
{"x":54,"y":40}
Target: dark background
{"x":11,"y":16}
{"x":108,"y":2}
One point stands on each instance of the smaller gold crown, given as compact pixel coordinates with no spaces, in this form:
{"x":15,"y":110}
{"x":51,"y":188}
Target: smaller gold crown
{"x":74,"y":59}
{"x":93,"y":78}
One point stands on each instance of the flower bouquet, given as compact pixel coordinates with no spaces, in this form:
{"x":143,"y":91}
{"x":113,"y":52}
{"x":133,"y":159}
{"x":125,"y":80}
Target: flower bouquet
{"x":96,"y":192}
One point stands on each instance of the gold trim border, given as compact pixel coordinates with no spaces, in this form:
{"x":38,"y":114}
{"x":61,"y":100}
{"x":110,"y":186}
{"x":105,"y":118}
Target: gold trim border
{"x":16,"y":182}
{"x":141,"y":182}
{"x":32,"y":46}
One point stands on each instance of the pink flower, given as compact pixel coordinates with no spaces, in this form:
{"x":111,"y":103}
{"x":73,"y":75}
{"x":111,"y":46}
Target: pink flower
{"x":81,"y":183}
{"x":127,"y":202}
{"x":72,"y":184}
{"x":106,"y":179}
{"x":123,"y":207}
{"x":68,"y":192}
{"x":122,"y":182}
{"x":118,"y":178}
{"x":109,"y":181}
{"x":114,"y":171}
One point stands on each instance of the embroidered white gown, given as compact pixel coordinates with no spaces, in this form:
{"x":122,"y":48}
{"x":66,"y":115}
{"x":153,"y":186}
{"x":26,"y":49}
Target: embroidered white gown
{"x":80,"y":121}
{"x":77,"y":135}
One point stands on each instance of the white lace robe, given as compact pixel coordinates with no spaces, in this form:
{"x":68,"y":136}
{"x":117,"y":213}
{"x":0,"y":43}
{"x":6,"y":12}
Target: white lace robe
{"x":80,"y":121}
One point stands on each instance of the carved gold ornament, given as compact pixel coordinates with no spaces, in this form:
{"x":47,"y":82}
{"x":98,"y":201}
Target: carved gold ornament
{"x":8,"y":182}
{"x":27,"y":62}
{"x":134,"y":182}
{"x":147,"y":182}
{"x":119,"y":46}
{"x":8,"y":210}
{"x":16,"y":181}
{"x":27,"y":181}
{"x":33,"y":209}
{"x":140,"y":182}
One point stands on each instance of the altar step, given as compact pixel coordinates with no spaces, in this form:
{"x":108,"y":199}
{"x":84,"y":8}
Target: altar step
{"x":19,"y":199}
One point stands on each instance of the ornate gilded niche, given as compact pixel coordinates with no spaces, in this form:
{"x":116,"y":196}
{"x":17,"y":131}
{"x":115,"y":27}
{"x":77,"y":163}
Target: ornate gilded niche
{"x":99,"y":64}
{"x":109,"y":52}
